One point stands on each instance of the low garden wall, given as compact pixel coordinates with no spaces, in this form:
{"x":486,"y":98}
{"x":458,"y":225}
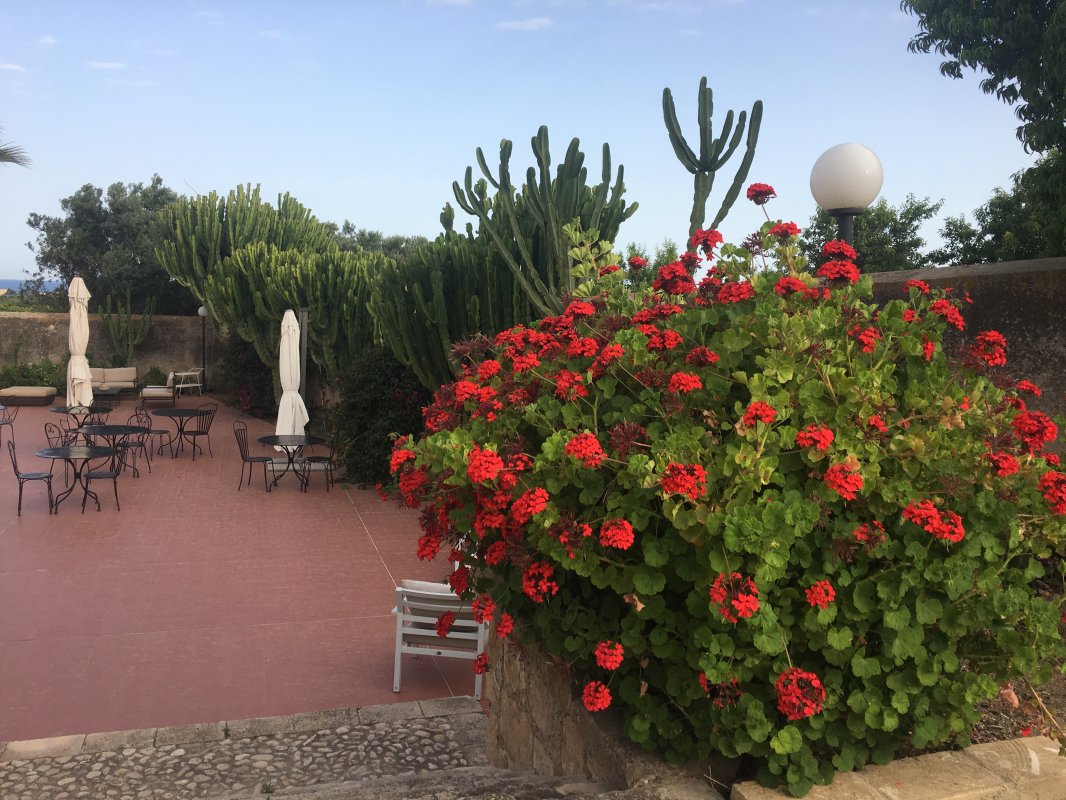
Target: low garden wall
{"x":172,"y":344}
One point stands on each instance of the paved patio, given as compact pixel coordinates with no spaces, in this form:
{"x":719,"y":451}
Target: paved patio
{"x":196,"y":602}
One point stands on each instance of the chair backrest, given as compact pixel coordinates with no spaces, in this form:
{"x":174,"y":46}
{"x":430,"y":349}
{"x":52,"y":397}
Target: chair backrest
{"x":137,"y":439}
{"x":54,"y":434}
{"x":8,"y":414}
{"x":14,"y":460}
{"x":416,"y":627}
{"x":203,"y":424}
{"x":100,"y":418}
{"x":240,"y":430}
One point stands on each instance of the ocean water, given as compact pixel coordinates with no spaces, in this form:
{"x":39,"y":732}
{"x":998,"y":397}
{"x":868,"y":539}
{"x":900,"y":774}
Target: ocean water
{"x":13,"y":284}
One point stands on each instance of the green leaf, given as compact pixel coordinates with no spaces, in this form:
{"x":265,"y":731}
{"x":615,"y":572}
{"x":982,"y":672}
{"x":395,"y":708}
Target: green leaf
{"x":865,"y":596}
{"x":648,"y":581}
{"x":897,"y":618}
{"x":655,"y":553}
{"x":839,"y":638}
{"x":787,"y":740}
{"x":928,"y":610}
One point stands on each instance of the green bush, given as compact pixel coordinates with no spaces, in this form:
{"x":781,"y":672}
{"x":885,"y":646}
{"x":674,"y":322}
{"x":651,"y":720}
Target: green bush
{"x":760,"y":515}
{"x":42,"y":373}
{"x":244,"y":380}
{"x":380,"y":399}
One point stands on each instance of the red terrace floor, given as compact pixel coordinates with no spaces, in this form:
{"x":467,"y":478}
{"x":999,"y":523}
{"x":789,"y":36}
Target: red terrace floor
{"x":196,"y":602}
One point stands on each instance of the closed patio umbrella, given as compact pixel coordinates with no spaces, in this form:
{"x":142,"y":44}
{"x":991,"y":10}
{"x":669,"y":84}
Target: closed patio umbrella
{"x":292,"y":413}
{"x":79,"y":379}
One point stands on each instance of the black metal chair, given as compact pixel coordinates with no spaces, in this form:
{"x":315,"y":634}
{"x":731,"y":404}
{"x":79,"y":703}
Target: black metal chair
{"x":240,"y":430}
{"x":110,"y":468}
{"x":26,"y":477}
{"x":58,"y":437}
{"x":7,"y":420}
{"x":201,"y":426}
{"x":133,"y":444}
{"x":144,"y":419}
{"x":328,"y":461}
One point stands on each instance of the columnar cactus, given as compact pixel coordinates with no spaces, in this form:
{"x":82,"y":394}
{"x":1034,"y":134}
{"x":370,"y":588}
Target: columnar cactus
{"x":713,"y":152}
{"x":125,"y":333}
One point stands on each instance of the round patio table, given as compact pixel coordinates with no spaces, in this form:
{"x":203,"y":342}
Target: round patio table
{"x":114,"y":436}
{"x":77,"y":456}
{"x":81,"y":413}
{"x":181,"y":417}
{"x":292,"y":444}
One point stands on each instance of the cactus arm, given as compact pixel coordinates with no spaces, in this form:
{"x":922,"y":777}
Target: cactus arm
{"x":745,"y":164}
{"x":673,"y":129}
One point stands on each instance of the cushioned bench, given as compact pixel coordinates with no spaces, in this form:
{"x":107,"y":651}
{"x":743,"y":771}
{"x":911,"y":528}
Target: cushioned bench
{"x":27,"y":395}
{"x":160,"y":393}
{"x":121,"y":378}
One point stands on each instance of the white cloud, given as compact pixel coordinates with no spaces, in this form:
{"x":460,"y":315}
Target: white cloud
{"x":210,"y":17}
{"x":12,"y":67}
{"x":47,"y":41}
{"x":112,"y":65}
{"x":142,"y":84}
{"x":531,"y":24}
{"x":271,"y":34}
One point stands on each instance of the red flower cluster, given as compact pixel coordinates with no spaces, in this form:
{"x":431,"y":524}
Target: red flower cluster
{"x":758,"y":412}
{"x":1028,"y":386}
{"x":914,"y":283}
{"x":845,"y":480}
{"x":537,"y":583}
{"x":723,"y":694}
{"x":505,"y":625}
{"x":799,"y":694}
{"x":660,"y":340}
{"x":483,"y":465}
{"x":838,"y":248}
{"x":991,"y":348}
{"x":708,"y":240}
{"x":783,"y":230}
{"x":400,"y":456}
{"x":839,"y":270}
{"x":531,"y":502}
{"x":569,"y":385}
{"x":761,"y":193}
{"x":1004,"y":463}
{"x":585,"y":447}
{"x":580,"y":308}
{"x":673,"y":278}
{"x":701,"y":357}
{"x":871,"y":534}
{"x":928,"y":348}
{"x":817,"y":436}
{"x":867,"y":337}
{"x":616,"y":533}
{"x":596,"y":696}
{"x":945,"y":525}
{"x":1034,"y":428}
{"x":788,"y":285}
{"x":636,"y":262}
{"x":481,"y":663}
{"x":483,"y":608}
{"x":689,"y":480}
{"x":949,"y":311}
{"x":736,"y":292}
{"x":875,"y":422}
{"x":609,"y":655}
{"x":444,"y":623}
{"x":585,"y":347}
{"x":1053,"y":486}
{"x":683,"y":383}
{"x":820,"y":594}
{"x":736,"y":596}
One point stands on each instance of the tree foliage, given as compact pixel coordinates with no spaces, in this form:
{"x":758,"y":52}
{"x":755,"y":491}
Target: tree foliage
{"x":11,"y":153}
{"x":1020,"y":45}
{"x":395,"y":246}
{"x":110,"y":241}
{"x":886,"y":237}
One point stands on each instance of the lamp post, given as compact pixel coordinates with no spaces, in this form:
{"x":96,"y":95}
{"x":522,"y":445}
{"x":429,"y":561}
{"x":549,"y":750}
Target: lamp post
{"x":844,"y":181}
{"x":202,"y":311}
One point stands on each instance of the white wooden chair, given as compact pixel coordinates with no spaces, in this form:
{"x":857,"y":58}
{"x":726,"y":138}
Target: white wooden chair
{"x":418,"y":605}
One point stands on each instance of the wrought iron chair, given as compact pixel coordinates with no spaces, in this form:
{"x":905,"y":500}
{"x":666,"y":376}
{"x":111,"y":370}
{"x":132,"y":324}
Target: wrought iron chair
{"x":328,"y":461}
{"x":26,"y":477}
{"x":240,"y":430}
{"x":201,"y":426}
{"x":164,"y":436}
{"x":110,"y":468}
{"x":58,"y":437}
{"x":7,"y":420}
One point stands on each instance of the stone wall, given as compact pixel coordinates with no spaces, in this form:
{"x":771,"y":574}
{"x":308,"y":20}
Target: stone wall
{"x":172,"y":343}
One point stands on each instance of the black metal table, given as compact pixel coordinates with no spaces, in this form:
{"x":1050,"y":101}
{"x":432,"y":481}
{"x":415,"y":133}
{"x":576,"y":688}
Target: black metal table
{"x":78,"y":456}
{"x":81,"y":413}
{"x":292,"y":444}
{"x":113,"y":435}
{"x":181,"y":417}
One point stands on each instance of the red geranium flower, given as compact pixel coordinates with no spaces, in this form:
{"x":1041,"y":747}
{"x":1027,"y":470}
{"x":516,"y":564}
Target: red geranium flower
{"x":758,"y":412}
{"x":761,"y":193}
{"x":585,"y":447}
{"x":689,"y":480}
{"x":505,"y":625}
{"x":459,"y":579}
{"x":945,"y":525}
{"x":483,"y":465}
{"x":839,"y":270}
{"x":481,"y":664}
{"x":1053,"y":486}
{"x":736,"y":292}
{"x":871,"y":534}
{"x":580,"y":308}
{"x":949,"y":311}
{"x":799,"y":694}
{"x":1028,"y":386}
{"x":596,"y":696}
{"x":701,"y":357}
{"x":1004,"y":463}
{"x":788,"y":285}
{"x":616,"y":533}
{"x":991,"y":348}
{"x":820,"y":594}
{"x":867,"y":337}
{"x":674,"y":279}
{"x":736,"y":596}
{"x":708,"y":240}
{"x":609,"y":655}
{"x":838,"y":248}
{"x":878,"y":424}
{"x":400,"y":457}
{"x":1034,"y":428}
{"x":845,"y":480}
{"x":483,"y":608}
{"x":783,"y":230}
{"x":444,"y":623}
{"x":914,"y":283}
{"x":531,"y":502}
{"x":817,"y":436}
{"x":684,"y":382}
{"x":636,"y":262}
{"x":537,"y":583}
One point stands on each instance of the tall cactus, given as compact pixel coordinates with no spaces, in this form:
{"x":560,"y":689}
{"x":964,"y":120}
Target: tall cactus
{"x":714,"y":152}
{"x":527,"y":226}
{"x":125,"y":333}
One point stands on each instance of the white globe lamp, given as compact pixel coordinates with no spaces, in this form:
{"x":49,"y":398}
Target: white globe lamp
{"x":844,"y":181}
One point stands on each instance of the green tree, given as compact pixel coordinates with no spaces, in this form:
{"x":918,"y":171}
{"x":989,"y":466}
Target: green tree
{"x":886,"y":237}
{"x":11,"y":153}
{"x":110,"y":241}
{"x":397,"y":247}
{"x":1020,"y":45}
{"x":1028,"y":221}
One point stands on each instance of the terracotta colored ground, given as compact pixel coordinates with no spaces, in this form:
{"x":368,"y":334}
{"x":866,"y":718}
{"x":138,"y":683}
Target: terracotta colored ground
{"x":197,"y":602}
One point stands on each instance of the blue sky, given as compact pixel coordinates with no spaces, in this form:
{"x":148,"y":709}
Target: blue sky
{"x":368,"y":111}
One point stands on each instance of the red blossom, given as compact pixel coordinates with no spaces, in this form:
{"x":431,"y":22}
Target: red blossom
{"x":867,"y":337}
{"x":1034,"y":428}
{"x":990,"y":347}
{"x":758,"y":411}
{"x":820,"y":594}
{"x":609,"y":655}
{"x":839,"y":270}
{"x":910,"y":315}
{"x":708,"y":240}
{"x":878,"y":424}
{"x":1004,"y":463}
{"x":531,"y":502}
{"x":689,"y":480}
{"x":946,"y":525}
{"x":580,"y":308}
{"x":609,"y":269}
{"x":483,"y":608}
{"x":838,"y":248}
{"x":1053,"y":486}
{"x":673,"y":278}
{"x":483,"y":466}
{"x":701,"y":357}
{"x":845,"y":480}
{"x":928,"y":348}
{"x":817,"y":436}
{"x":505,"y":625}
{"x":761,"y":193}
{"x":1028,"y":386}
{"x":537,"y":583}
{"x":486,"y":369}
{"x":783,"y":230}
{"x":799,"y":694}
{"x":684,"y":382}
{"x":659,"y":340}
{"x":570,"y":385}
{"x":585,"y":447}
{"x":736,"y":292}
{"x":723,"y":694}
{"x":914,"y":283}
{"x":736,"y":596}
{"x":585,"y":347}
{"x":459,"y":579}
{"x":870,"y":534}
{"x":949,"y":312}
{"x":444,"y":623}
{"x":400,"y":456}
{"x":616,"y":533}
{"x":788,"y":285}
{"x":481,"y":664}
{"x":495,"y":553}
{"x":636,"y":262}
{"x":596,"y":696}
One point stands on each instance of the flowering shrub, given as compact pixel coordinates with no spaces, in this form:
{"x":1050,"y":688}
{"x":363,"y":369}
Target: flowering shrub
{"x":753,"y":511}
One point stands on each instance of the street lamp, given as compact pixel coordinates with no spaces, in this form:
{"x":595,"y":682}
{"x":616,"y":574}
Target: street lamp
{"x":202,"y":311}
{"x":844,"y":181}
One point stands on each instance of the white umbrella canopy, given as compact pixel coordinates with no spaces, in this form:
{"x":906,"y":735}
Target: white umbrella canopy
{"x":292,"y":413}
{"x":79,"y":379}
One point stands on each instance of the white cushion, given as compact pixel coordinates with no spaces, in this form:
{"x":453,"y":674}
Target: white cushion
{"x":170,"y":381}
{"x":115,"y":375}
{"x":426,"y":586}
